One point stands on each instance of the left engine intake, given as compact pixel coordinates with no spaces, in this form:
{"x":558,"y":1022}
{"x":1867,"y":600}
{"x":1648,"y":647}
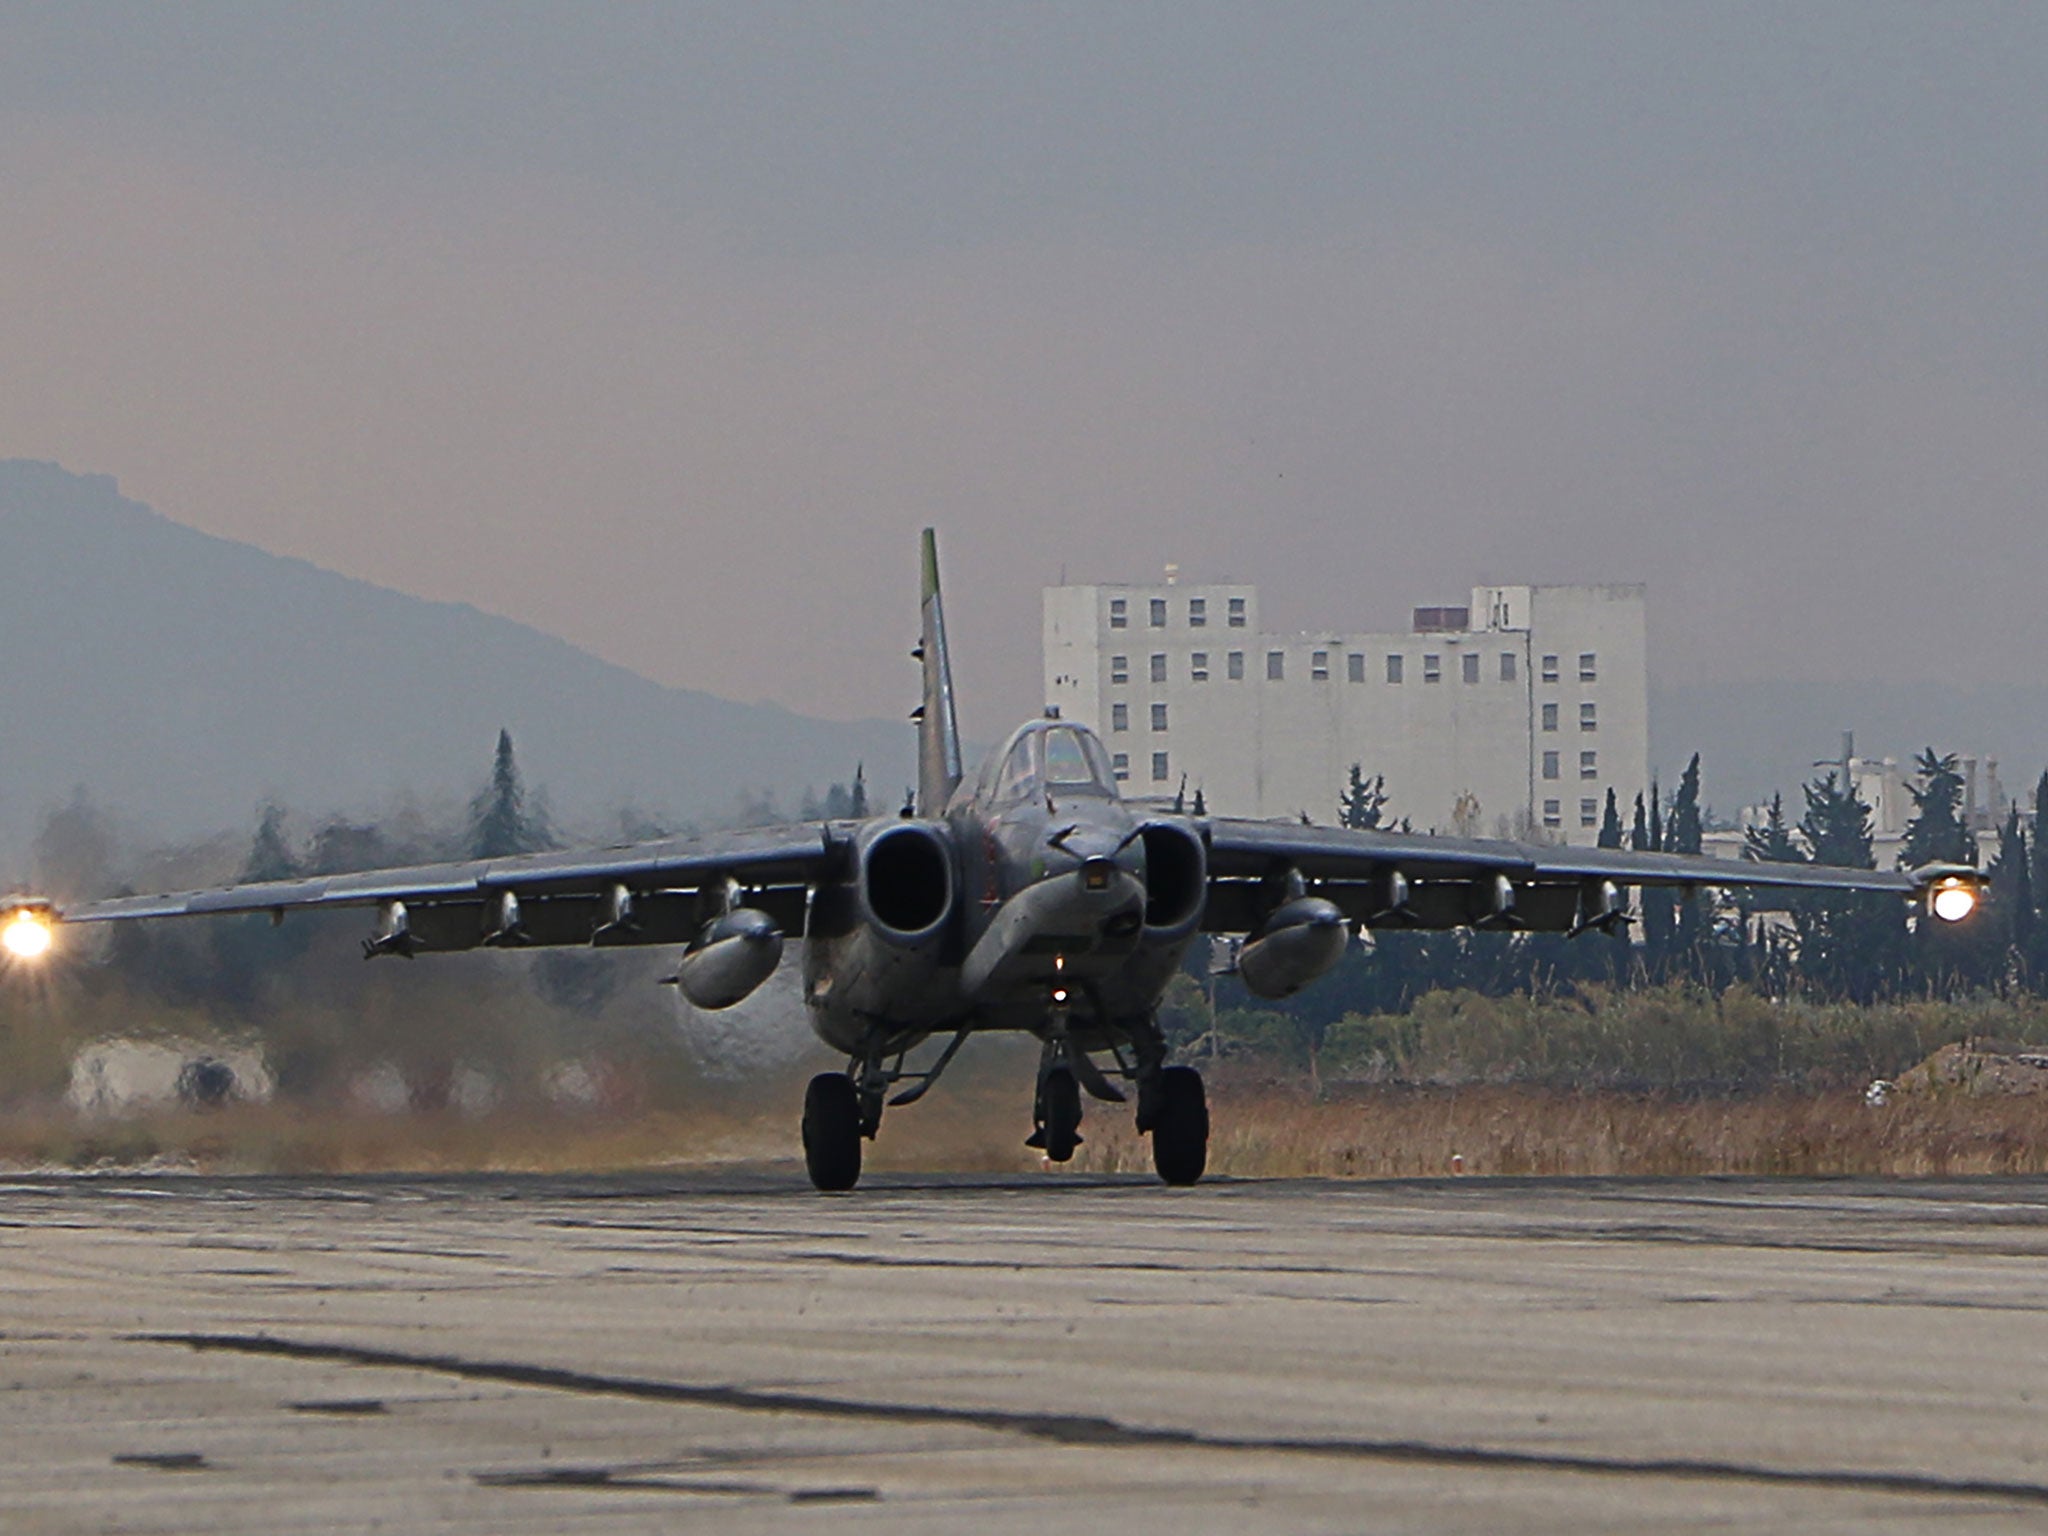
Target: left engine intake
{"x":1301,"y":940}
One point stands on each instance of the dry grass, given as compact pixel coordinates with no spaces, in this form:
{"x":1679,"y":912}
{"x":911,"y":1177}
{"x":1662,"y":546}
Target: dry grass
{"x":1260,"y":1130}
{"x":1396,"y":1133}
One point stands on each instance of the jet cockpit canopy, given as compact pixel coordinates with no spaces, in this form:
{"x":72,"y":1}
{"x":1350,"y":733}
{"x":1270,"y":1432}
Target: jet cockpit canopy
{"x":1048,"y":756}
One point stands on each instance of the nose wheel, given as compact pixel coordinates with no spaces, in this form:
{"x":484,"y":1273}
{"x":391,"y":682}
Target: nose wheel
{"x":1058,"y":1113}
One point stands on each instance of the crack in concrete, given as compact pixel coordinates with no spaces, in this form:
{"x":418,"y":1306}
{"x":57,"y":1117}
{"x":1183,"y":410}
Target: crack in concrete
{"x":1099,"y":1432}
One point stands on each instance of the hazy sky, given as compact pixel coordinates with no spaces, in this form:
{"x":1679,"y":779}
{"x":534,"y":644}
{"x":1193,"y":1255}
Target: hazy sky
{"x":664,"y":328}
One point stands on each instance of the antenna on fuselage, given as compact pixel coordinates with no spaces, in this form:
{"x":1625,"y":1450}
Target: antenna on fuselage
{"x":938,"y":729}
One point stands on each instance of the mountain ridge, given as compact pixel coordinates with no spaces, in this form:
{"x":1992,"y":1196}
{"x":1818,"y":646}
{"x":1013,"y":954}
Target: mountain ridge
{"x":180,"y":679}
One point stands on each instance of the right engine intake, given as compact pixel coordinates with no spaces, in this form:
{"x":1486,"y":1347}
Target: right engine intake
{"x":906,"y":882}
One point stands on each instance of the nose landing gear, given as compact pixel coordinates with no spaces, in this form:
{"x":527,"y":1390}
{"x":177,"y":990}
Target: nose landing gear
{"x":1058,"y":1109}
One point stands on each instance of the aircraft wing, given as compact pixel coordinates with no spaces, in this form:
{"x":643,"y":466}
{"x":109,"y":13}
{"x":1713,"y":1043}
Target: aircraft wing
{"x":1407,"y":879}
{"x":638,"y":893}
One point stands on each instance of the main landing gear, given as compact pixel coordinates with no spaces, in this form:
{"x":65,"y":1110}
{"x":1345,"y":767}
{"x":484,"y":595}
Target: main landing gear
{"x":843,"y":1109}
{"x":832,"y":1131}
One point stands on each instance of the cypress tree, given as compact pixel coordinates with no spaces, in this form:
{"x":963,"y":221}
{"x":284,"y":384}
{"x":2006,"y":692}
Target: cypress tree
{"x":2012,"y":892}
{"x":1610,"y":822}
{"x":2040,"y":844}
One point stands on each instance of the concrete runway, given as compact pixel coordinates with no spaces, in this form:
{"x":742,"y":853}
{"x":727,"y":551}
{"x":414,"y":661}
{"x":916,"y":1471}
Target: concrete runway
{"x":732,"y":1351}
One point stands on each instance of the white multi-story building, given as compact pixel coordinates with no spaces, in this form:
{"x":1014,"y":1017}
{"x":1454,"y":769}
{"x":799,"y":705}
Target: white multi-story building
{"x":1511,"y":717}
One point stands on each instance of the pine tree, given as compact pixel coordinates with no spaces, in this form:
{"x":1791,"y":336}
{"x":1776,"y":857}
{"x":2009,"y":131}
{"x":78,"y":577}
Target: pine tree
{"x":1364,"y":801}
{"x":1610,"y":822}
{"x":270,"y":856}
{"x":500,"y":824}
{"x":1772,"y":843}
{"x":1936,"y":834}
{"x":1850,"y":944}
{"x":857,"y":804}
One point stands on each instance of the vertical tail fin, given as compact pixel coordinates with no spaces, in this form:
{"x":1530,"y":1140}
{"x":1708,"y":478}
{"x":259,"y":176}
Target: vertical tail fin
{"x":938,"y":731}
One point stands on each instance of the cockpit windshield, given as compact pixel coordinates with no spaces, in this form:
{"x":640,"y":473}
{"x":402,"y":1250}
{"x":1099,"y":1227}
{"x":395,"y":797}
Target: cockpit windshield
{"x":1075,"y":760}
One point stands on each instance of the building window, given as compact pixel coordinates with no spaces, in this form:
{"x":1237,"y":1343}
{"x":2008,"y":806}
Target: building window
{"x":1119,"y":669}
{"x":1276,"y":666}
{"x":1588,"y":721}
{"x":1120,"y":765}
{"x":1354,"y":667}
{"x":1158,"y":717}
{"x":1550,"y":669}
{"x":1158,"y":767}
{"x":1159,"y":613}
{"x":1119,"y":717}
{"x":1550,"y":717}
{"x":1589,"y":813}
{"x":1589,"y":765}
{"x":1394,"y":667}
{"x":1549,"y":762}
{"x":1432,"y":668}
{"x":1198,"y":613}
{"x":1159,"y":666}
{"x":1234,"y":664}
{"x":1198,"y":666}
{"x":1589,"y":668}
{"x":1470,"y":666}
{"x":1237,"y":613}
{"x":1553,"y":813}
{"x":1319,"y":666}
{"x":1507,"y":666}
{"x":1119,"y":613}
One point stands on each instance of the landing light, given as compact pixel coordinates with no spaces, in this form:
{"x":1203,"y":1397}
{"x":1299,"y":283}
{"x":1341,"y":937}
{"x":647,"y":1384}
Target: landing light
{"x":27,"y":936}
{"x":1953,"y":900}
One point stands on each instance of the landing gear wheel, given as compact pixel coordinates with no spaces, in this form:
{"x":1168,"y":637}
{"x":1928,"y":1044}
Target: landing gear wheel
{"x":1059,"y":1101}
{"x":832,"y":1131}
{"x":1180,"y":1132}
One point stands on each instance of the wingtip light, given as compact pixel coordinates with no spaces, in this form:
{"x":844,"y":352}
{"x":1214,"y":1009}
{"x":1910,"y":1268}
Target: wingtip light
{"x":1953,"y":899}
{"x":27,"y":933}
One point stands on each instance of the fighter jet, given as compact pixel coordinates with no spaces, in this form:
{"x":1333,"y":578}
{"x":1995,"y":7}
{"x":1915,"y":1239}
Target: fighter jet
{"x":1029,"y":897}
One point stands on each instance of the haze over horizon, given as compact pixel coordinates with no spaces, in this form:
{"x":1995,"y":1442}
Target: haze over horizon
{"x":662,"y":330}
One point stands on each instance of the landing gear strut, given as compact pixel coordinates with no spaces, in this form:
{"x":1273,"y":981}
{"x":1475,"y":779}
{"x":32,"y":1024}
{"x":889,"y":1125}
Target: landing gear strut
{"x":1058,"y":1110}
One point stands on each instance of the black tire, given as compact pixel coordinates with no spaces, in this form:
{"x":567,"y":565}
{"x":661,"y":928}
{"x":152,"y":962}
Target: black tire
{"x":1061,"y":1096}
{"x":1180,"y":1136}
{"x":832,"y":1131}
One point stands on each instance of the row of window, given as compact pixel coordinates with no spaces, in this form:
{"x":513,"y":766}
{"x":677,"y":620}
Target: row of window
{"x":1120,"y":717}
{"x":1319,"y":668}
{"x":1120,"y":766}
{"x":1589,"y":812}
{"x":1589,"y":717}
{"x":1198,"y":613}
{"x":1589,"y":764}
